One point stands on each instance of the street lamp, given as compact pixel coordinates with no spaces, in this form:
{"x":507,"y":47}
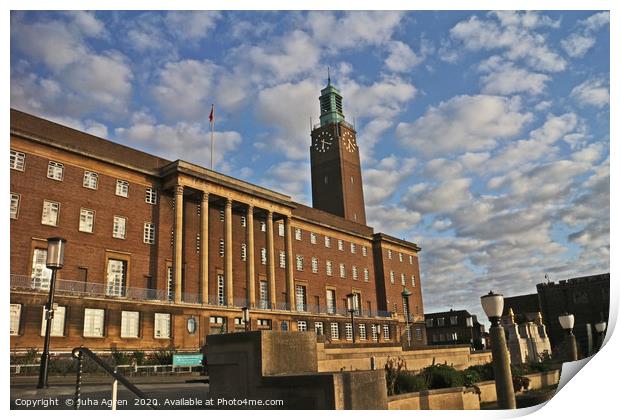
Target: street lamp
{"x":246,"y":318}
{"x":493,"y":305}
{"x":567,"y":321}
{"x":600,"y":329}
{"x":405,"y":294}
{"x":55,"y":261}
{"x":352,"y":308}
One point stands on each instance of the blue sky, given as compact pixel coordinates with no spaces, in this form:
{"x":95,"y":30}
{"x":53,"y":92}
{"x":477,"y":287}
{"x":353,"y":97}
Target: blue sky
{"x":484,"y":136}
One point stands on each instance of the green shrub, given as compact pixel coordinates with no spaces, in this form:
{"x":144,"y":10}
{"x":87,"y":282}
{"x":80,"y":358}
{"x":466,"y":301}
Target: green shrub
{"x":442,"y":376}
{"x":406,"y":382}
{"x":138,"y":356}
{"x":484,"y":372}
{"x":161,"y":357}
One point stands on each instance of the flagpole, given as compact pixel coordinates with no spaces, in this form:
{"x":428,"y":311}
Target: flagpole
{"x":212,"y":118}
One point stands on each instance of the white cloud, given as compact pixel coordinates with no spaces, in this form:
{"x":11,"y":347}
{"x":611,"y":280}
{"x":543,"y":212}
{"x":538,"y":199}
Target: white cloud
{"x":292,"y":178}
{"x":191,"y":25}
{"x":504,"y":78}
{"x":401,"y":57}
{"x":444,"y":197}
{"x":384,"y":98}
{"x":88,"y":23}
{"x":392,"y":219}
{"x":577,"y":45}
{"x":382,"y":180}
{"x":443,"y":169}
{"x":596,"y":21}
{"x":593,"y":92}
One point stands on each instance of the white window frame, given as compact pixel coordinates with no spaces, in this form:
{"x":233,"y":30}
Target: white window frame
{"x":348,"y":331}
{"x":263,"y":226}
{"x":15,"y":200}
{"x":354,"y":272}
{"x":50,"y":208}
{"x":222,"y":215}
{"x":161,"y":326}
{"x":41,"y":275}
{"x":362,"y":331}
{"x":297,"y":234}
{"x":130,"y":324}
{"x":169,"y":283}
{"x":328,"y":242}
{"x":343,"y":271}
{"x":94,"y":322}
{"x":411,"y":259}
{"x":386,"y":332}
{"x":353,"y":248}
{"x":281,"y":229}
{"x":299,"y":262}
{"x":413,"y":280}
{"x":18,"y":160}
{"x":313,"y":238}
{"x":263,"y":256}
{"x":301,"y":300}
{"x":334,"y":331}
{"x":116,"y":281}
{"x":91,"y":180}
{"x":243,"y":221}
{"x":330,"y":299}
{"x":400,"y":257}
{"x":150,"y":196}
{"x":340,"y":245}
{"x":244,"y":252}
{"x":55,"y":170}
{"x":221,"y":290}
{"x":282,"y":259}
{"x":318,"y":328}
{"x":122,"y":188}
{"x":403,"y":279}
{"x":366,"y":275}
{"x":58,"y":323}
{"x":364,"y":251}
{"x":119,"y":227}
{"x":392,"y":279}
{"x":389,"y":254}
{"x":315,"y":265}
{"x":329,"y":268}
{"x":263,"y":294}
{"x":149,"y":233}
{"x":221,"y":247}
{"x":302,"y":326}
{"x":87,"y":220}
{"x":441,"y":322}
{"x":16,"y":316}
{"x":374,"y":332}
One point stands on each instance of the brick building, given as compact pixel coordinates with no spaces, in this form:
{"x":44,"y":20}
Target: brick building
{"x":454,"y":327}
{"x":162,"y":253}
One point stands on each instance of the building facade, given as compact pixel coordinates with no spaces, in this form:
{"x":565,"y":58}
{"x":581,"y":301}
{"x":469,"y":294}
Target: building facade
{"x":162,"y":253}
{"x":527,"y":341}
{"x":454,"y":327}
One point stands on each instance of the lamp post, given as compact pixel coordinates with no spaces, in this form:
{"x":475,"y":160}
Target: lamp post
{"x":352,"y":307}
{"x":405,"y":294}
{"x":55,"y":261}
{"x":493,"y":305}
{"x":246,"y":318}
{"x":567,"y":321}
{"x":600,"y":330}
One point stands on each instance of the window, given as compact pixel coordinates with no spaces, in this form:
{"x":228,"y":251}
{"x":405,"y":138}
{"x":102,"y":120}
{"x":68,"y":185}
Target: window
{"x":16,"y":313}
{"x":170,"y":283}
{"x":300,"y":297}
{"x":328,"y":242}
{"x":348,"y":331}
{"x":58,"y":322}
{"x":353,"y":248}
{"x":386,"y":332}
{"x":281,"y":229}
{"x":221,"y":247}
{"x":221,"y":297}
{"x":117,"y":270}
{"x":364,"y":251}
{"x":454,"y":320}
{"x":343,"y":271}
{"x":263,"y":322}
{"x":355,"y":274}
{"x":297,"y":234}
{"x":389,"y":254}
{"x":340,"y":245}
{"x":93,"y":322}
{"x":315,"y":265}
{"x":263,"y":256}
{"x":198,"y":241}
{"x":411,"y":259}
{"x":263,"y":295}
{"x":221,"y":215}
{"x":328,"y":268}
{"x":413,"y":280}
{"x":300,"y":262}
{"x":318,"y":328}
{"x":55,"y":170}
{"x":440,"y":322}
{"x":87,"y":220}
{"x":331,"y":301}
{"x":238,"y":322}
{"x":49,"y":216}
{"x":14,"y":205}
{"x":122,"y":188}
{"x":362,"y":328}
{"x":244,"y":252}
{"x":162,"y":325}
{"x":243,"y":221}
{"x":417,"y":334}
{"x":334,"y":331}
{"x":18,"y":160}
{"x":302,"y":326}
{"x":313,"y":238}
{"x":429,"y":322}
{"x":91,"y":180}
{"x":391,"y":277}
{"x":400,"y":256}
{"x":366,"y":275}
{"x":149,"y":234}
{"x":263,"y":226}
{"x":41,"y":275}
{"x":130,"y":324}
{"x":282,"y":259}
{"x":151,"y":196}
{"x":374,"y":332}
{"x":402,"y":279}
{"x":118,"y":229}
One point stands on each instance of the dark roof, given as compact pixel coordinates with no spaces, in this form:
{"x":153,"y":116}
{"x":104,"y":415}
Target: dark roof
{"x":522,"y":304}
{"x":315,"y":215}
{"x":604,"y":277}
{"x":460,"y":312}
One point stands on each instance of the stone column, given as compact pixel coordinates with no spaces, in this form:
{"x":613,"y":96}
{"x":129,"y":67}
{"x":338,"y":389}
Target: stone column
{"x":204,"y":248}
{"x":271,"y":266}
{"x":177,"y":261}
{"x":250,"y":255}
{"x":290,"y":286}
{"x":228,"y":252}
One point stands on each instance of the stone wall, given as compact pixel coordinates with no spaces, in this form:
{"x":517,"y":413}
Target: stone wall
{"x":459,"y":398}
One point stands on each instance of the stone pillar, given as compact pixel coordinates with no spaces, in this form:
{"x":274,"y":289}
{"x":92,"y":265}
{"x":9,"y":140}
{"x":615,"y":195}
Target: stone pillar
{"x":290,"y":286}
{"x":271,"y":261}
{"x":228,"y":252}
{"x":250,"y":255}
{"x":204,"y":248}
{"x":177,"y":261}
{"x":501,"y":367}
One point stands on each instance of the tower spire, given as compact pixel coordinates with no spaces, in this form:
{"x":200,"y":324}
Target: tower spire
{"x":329,"y":79}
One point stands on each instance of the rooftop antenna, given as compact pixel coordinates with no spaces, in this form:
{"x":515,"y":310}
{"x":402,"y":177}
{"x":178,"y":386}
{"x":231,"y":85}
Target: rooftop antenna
{"x":329,"y":79}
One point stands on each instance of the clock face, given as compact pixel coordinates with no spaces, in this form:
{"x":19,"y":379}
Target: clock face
{"x":349,"y":141}
{"x":323,"y":141}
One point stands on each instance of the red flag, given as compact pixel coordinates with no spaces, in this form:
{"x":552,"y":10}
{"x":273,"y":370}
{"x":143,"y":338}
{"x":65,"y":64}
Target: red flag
{"x":211,"y":115}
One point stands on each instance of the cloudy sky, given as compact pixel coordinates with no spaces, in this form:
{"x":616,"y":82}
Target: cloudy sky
{"x":484,"y":136}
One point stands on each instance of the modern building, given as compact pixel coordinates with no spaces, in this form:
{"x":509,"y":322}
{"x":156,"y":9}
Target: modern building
{"x":454,"y":327}
{"x":162,"y":253}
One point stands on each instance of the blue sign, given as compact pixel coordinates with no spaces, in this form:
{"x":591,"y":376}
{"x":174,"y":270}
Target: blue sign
{"x":187,"y":359}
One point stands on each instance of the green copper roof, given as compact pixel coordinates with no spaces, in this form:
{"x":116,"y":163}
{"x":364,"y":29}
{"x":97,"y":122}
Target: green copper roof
{"x":331,"y":104}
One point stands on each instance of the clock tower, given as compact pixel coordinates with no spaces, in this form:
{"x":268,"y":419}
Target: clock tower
{"x":335,"y":161}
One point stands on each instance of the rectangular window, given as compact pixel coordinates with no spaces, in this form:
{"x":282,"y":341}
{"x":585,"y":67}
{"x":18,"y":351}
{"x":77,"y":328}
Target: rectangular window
{"x":389,"y":254}
{"x":221,"y":247}
{"x":297,"y":234}
{"x":170,"y":283}
{"x":221,"y":215}
{"x":91,"y":180}
{"x":429,"y":322}
{"x":281,"y":229}
{"x":411,"y":259}
{"x":348,"y":331}
{"x":440,"y":322}
{"x":386,"y":332}
{"x":151,"y":196}
{"x":400,"y":256}
{"x":263,"y":323}
{"x":366,"y":275}
{"x":93,"y":322}
{"x":334,"y":331}
{"x":16,"y":314}
{"x":87,"y":220}
{"x":353,"y":248}
{"x":118,"y":228}
{"x":391,"y":277}
{"x":331,"y":301}
{"x":122,"y":188}
{"x":162,"y":325}
{"x":263,"y":295}
{"x":374,"y":332}
{"x":51,"y":210}
{"x":263,"y":256}
{"x":362,"y":328}
{"x":313,"y":238}
{"x":340,"y":245}
{"x":14,"y":205}
{"x":244,"y":252}
{"x":328,"y":242}
{"x":117,"y":270}
{"x":130,"y":324}
{"x":149,"y":233}
{"x":221,"y":297}
{"x":58,"y":323}
{"x":55,"y":170}
{"x":364,"y":251}
{"x":302,"y":326}
{"x":412,"y":280}
{"x":243,"y":221}
{"x":354,"y":272}
{"x":318,"y":328}
{"x":300,"y":298}
{"x":41,"y":275}
{"x":315,"y":265}
{"x":402,"y":279}
{"x":454,"y":320}
{"x":282,"y":259}
{"x":18,"y":160}
{"x":263,"y":226}
{"x":343,"y":271}
{"x":328,"y":268}
{"x":300,"y":262}
{"x":417,"y":334}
